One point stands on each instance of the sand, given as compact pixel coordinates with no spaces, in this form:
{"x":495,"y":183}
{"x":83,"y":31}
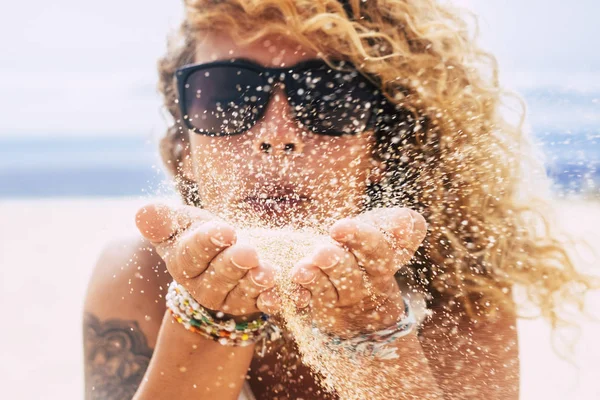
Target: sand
{"x":47,"y":250}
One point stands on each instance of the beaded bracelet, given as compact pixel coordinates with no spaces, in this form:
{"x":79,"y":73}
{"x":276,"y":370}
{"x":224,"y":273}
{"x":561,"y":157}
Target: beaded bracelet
{"x":196,"y":318}
{"x":375,"y":344}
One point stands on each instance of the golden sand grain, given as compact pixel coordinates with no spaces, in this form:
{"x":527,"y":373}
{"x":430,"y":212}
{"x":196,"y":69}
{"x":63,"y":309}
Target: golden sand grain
{"x":337,"y":369}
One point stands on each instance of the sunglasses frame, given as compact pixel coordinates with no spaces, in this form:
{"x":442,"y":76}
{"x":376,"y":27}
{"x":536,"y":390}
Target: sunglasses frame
{"x":183,"y":73}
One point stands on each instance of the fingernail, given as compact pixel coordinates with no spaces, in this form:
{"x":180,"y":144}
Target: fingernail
{"x":218,"y":241}
{"x":261,"y":279}
{"x":238,"y":264}
{"x":303,"y":298}
{"x":217,"y":238}
{"x":348,"y":230}
{"x":305,"y":276}
{"x":269,"y":300}
{"x":333,"y":263}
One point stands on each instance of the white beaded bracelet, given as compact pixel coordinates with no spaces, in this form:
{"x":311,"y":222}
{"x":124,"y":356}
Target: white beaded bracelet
{"x":376,"y":344}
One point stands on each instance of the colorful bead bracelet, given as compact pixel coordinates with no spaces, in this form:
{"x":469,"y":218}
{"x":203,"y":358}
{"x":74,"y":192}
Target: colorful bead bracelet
{"x":196,"y":318}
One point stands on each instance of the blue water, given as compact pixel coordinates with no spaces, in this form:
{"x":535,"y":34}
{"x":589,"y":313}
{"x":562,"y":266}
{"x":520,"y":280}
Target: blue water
{"x":129,"y":166}
{"x":84,"y":166}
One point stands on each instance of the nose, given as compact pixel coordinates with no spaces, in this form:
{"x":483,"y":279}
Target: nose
{"x":278,"y":132}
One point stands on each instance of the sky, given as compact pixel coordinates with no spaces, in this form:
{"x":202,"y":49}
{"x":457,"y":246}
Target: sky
{"x":69,"y":67}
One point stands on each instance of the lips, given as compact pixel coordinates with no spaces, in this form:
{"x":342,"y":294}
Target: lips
{"x":280,"y":200}
{"x":276,"y":203}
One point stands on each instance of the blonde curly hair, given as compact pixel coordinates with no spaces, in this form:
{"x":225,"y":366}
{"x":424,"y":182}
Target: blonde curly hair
{"x":463,"y":162}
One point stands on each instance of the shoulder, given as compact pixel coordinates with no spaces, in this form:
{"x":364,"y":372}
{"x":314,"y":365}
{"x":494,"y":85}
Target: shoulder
{"x":128,"y":284}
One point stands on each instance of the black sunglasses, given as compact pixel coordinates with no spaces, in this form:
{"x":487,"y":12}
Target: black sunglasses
{"x":225,"y":98}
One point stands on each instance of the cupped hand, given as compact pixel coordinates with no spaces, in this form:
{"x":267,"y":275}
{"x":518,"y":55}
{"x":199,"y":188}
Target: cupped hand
{"x":201,"y":253}
{"x":351,"y":283}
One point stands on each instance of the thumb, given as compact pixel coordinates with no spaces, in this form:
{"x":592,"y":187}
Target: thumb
{"x":158,"y":222}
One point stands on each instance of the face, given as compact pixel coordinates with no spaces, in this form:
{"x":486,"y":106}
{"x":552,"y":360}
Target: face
{"x":277,"y":173}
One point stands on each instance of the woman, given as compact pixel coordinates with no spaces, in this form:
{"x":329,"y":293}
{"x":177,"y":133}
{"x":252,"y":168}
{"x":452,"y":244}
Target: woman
{"x":375,"y":120}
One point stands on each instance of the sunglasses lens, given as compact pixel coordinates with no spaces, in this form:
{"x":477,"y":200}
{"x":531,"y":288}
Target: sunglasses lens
{"x":224,"y":100}
{"x":332,"y":102}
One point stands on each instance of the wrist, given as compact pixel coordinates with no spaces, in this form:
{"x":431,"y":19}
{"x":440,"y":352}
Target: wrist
{"x":367,"y":317}
{"x":378,"y":343}
{"x":218,"y":327}
{"x":385,"y":314}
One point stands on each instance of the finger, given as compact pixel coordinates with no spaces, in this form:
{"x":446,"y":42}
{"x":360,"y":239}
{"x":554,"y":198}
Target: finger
{"x":159,"y":222}
{"x":298,"y":297}
{"x":419,"y":233}
{"x":321,"y":287}
{"x":407,"y":230}
{"x":301,"y":298}
{"x":269,"y":302}
{"x":343,"y":271}
{"x":313,"y":279}
{"x":197,"y":247}
{"x":324,"y":295}
{"x":222,"y":274}
{"x":241,"y":300}
{"x":368,"y":244}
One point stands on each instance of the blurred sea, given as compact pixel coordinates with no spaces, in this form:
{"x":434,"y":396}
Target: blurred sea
{"x":130,"y":166}
{"x":565,"y":123}
{"x":79,"y":166}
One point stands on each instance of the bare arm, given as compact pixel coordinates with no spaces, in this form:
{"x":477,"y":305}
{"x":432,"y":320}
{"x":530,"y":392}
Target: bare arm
{"x":353,"y":289}
{"x":125,"y":312}
{"x":133,"y":350}
{"x":116,"y":357}
{"x":473,"y":360}
{"x":186,"y":365}
{"x":122,"y":313}
{"x":457,"y":358}
{"x":407,"y":377}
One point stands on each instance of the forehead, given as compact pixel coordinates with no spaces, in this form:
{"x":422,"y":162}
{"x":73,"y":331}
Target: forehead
{"x":271,"y":51}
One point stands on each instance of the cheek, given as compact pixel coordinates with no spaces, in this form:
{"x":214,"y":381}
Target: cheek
{"x":340,"y":169}
{"x":346,"y":156}
{"x":217,"y":156}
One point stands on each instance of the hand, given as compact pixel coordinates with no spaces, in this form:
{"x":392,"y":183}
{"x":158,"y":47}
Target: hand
{"x":201,"y":253}
{"x":351,"y":283}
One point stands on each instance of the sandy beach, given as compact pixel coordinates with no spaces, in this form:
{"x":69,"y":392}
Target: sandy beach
{"x":47,"y":251}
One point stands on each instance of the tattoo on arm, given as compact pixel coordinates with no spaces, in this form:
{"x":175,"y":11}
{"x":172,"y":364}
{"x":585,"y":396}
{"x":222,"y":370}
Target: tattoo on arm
{"x":116,"y":356}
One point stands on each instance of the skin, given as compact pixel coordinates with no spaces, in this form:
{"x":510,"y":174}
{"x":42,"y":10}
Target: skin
{"x":317,"y":158}
{"x":198,"y":248}
{"x":230,"y":169}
